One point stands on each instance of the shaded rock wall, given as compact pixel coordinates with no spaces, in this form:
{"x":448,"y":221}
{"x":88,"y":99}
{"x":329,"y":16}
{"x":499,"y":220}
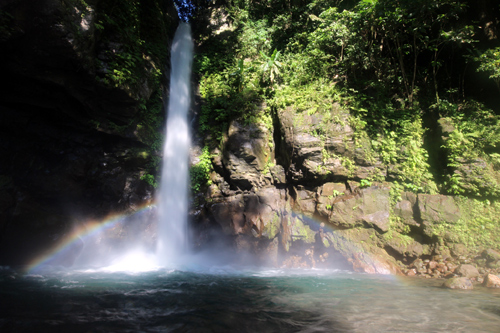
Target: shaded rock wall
{"x":73,"y":146}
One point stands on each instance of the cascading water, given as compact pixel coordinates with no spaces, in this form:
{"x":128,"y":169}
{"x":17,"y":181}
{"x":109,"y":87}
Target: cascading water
{"x":173,"y":198}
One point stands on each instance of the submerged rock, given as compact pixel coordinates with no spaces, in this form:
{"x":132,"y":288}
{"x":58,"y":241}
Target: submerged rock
{"x":458,"y":283}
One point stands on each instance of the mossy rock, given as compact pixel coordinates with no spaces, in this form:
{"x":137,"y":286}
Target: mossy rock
{"x":272,"y":226}
{"x":301,"y":231}
{"x":478,"y":178}
{"x":435,"y":209}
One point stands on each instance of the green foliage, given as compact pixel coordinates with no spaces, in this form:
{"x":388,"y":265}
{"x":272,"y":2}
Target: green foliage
{"x":395,"y":193}
{"x":270,"y":66}
{"x":240,"y":74}
{"x":150,"y":179}
{"x":365,"y":183}
{"x":478,"y":226}
{"x":374,"y":66}
{"x":474,"y":139}
{"x":200,"y":172}
{"x":254,"y":38}
{"x":489,"y":62}
{"x":315,"y":97}
{"x":224,"y":101}
{"x":135,"y":34}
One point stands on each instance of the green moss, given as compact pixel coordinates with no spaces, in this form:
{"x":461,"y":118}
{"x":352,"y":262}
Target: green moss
{"x":478,"y":226}
{"x":302,"y":230}
{"x":272,"y":228}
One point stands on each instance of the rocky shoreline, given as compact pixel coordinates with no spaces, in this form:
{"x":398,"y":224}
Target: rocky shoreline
{"x":461,"y":272}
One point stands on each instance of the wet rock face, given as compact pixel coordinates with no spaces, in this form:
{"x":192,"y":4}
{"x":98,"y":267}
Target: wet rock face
{"x":317,"y":177}
{"x":256,"y":214}
{"x":284,"y":223}
{"x":491,"y":255}
{"x":322,"y":209}
{"x":266,"y":197}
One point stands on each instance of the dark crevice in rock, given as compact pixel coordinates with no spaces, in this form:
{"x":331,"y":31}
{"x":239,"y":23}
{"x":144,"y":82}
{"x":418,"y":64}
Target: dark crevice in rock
{"x":436,"y":129}
{"x":396,"y":255}
{"x":282,"y":150}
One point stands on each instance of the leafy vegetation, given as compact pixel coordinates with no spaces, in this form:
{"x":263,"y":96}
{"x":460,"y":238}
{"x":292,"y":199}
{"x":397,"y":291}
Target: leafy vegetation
{"x":383,"y":67}
{"x":150,"y":179}
{"x":478,"y":226}
{"x":489,"y":62}
{"x":200,"y":172}
{"x":472,"y":149}
{"x":134,"y":32}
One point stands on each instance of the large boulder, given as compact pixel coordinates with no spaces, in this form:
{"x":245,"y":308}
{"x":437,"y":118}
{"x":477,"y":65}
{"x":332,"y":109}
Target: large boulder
{"x":491,"y":281}
{"x":406,"y":208}
{"x":467,"y":271}
{"x":434,"y":209}
{"x":404,"y":247}
{"x":372,"y":261}
{"x":370,"y":207}
{"x":258,"y":214}
{"x":491,"y":255}
{"x":328,"y":194}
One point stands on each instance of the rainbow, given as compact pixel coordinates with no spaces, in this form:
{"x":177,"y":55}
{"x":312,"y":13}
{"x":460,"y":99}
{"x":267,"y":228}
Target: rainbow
{"x":371,"y":263}
{"x":92,"y":228}
{"x":84,"y":230}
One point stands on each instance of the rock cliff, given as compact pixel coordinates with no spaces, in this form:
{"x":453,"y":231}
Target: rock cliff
{"x":294,"y":198}
{"x":80,"y":114}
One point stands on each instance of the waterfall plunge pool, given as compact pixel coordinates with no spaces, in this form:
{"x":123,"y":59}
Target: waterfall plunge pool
{"x":225,"y":299}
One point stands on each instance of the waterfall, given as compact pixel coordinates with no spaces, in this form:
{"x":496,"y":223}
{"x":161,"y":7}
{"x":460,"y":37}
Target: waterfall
{"x":173,"y":197}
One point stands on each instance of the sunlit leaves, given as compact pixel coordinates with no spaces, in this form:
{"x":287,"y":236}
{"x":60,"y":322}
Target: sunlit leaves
{"x":271,"y":66}
{"x":489,"y":62}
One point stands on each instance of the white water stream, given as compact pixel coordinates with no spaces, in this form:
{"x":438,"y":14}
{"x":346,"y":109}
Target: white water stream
{"x":173,"y":198}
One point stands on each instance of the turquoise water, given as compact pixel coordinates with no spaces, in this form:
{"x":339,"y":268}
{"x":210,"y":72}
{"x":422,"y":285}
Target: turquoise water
{"x":229,"y":300}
